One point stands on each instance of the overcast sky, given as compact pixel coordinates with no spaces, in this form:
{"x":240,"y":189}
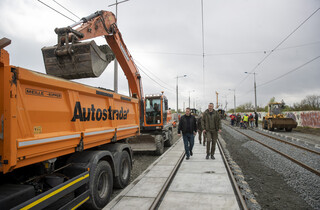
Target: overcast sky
{"x":165,"y":39}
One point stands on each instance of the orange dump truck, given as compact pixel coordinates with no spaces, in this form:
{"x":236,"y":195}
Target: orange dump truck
{"x":63,"y":144}
{"x":49,"y":123}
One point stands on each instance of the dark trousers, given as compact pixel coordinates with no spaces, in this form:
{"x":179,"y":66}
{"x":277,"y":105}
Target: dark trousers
{"x":212,"y":137}
{"x":188,"y":140}
{"x":204,"y":137}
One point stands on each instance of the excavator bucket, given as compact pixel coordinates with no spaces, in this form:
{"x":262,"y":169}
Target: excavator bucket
{"x":77,"y":60}
{"x":284,"y":123}
{"x":143,"y":142}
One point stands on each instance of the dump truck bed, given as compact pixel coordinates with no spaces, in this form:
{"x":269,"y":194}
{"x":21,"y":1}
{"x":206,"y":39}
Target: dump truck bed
{"x":44,"y":117}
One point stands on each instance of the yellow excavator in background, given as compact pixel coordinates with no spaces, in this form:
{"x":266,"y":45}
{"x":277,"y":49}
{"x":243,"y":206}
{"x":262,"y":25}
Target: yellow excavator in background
{"x":275,"y":118}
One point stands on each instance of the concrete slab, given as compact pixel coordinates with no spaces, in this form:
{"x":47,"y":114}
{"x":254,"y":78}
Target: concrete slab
{"x":198,"y":184}
{"x":169,"y":160}
{"x":160,"y":171}
{"x":202,"y":167}
{"x":202,"y":183}
{"x":203,"y":201}
{"x":147,"y":187}
{"x":202,"y":157}
{"x":133,"y":203}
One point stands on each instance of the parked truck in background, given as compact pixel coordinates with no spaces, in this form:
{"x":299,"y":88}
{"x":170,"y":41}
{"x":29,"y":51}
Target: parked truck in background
{"x":64,"y":144}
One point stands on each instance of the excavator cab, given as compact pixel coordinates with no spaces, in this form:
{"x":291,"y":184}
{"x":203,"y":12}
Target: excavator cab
{"x":156,"y":107}
{"x":156,"y":126}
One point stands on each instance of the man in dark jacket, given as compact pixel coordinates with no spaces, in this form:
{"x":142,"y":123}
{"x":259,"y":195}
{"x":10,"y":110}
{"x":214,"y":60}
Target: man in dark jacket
{"x":211,"y":124}
{"x":188,"y":126}
{"x":256,"y":117}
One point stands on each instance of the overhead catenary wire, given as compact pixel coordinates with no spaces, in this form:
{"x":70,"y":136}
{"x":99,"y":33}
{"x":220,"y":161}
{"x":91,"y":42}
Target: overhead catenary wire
{"x":287,"y":37}
{"x":227,"y":53}
{"x":56,"y":11}
{"x":140,"y":69}
{"x":289,"y":72}
{"x":285,"y":74}
{"x":137,"y":62}
{"x":66,"y":9}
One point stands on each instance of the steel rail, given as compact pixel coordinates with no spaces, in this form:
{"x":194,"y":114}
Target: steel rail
{"x":234,"y":182}
{"x":164,"y":188}
{"x":315,"y":171}
{"x":286,"y":142}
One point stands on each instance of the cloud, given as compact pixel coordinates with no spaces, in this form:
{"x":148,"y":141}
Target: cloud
{"x":166,"y":37}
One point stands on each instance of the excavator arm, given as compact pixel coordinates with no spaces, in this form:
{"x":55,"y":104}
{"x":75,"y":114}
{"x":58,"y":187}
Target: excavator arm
{"x":72,"y":59}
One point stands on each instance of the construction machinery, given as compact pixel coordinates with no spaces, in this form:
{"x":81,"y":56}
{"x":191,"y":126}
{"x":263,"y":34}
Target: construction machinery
{"x":274,"y":119}
{"x":62,"y":143}
{"x":156,"y":126}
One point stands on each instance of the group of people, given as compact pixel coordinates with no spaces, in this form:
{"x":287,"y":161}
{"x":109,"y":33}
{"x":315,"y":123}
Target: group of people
{"x":208,"y":124}
{"x":244,"y":121}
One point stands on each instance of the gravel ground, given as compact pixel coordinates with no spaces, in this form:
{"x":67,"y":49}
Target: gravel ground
{"x":277,"y":183}
{"x":309,"y":158}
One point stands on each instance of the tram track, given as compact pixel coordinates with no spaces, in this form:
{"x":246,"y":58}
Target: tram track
{"x":300,"y":163}
{"x":241,"y":201}
{"x":286,"y":142}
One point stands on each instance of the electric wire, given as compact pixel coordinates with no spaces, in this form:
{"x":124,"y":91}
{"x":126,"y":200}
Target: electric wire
{"x":66,"y":9}
{"x":283,"y":75}
{"x":227,"y":53}
{"x":56,"y":11}
{"x":153,"y":74}
{"x":153,"y":79}
{"x":289,"y":72}
{"x":287,"y":37}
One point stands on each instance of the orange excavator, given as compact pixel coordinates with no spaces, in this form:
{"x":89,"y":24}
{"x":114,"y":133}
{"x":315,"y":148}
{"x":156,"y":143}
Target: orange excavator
{"x":64,"y":144}
{"x":71,"y":59}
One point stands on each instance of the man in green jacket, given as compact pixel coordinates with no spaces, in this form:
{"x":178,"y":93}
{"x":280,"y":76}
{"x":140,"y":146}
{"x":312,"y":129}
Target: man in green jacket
{"x":211,"y":125}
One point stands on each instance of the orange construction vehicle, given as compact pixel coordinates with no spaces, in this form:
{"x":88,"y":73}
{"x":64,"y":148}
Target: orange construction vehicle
{"x":64,"y":144}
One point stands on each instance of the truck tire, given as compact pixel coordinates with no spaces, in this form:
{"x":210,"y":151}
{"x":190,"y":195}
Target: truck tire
{"x":169,"y":141}
{"x":159,"y":145}
{"x":270,"y":127}
{"x":123,"y":179}
{"x":100,"y":186}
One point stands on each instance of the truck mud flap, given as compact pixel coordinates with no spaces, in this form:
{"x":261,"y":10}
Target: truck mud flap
{"x":47,"y":198}
{"x":77,"y":60}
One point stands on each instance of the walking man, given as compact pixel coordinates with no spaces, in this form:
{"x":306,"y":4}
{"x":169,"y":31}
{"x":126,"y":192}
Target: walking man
{"x":188,"y":126}
{"x":200,"y":130}
{"x":211,"y":125}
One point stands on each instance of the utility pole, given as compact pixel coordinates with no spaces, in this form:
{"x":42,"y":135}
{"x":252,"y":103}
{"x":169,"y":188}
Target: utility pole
{"x":115,"y":79}
{"x":234,"y":99}
{"x":203,"y":78}
{"x":217,"y":106}
{"x":189,"y":97}
{"x":255,"y":89}
{"x":177,"y":91}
